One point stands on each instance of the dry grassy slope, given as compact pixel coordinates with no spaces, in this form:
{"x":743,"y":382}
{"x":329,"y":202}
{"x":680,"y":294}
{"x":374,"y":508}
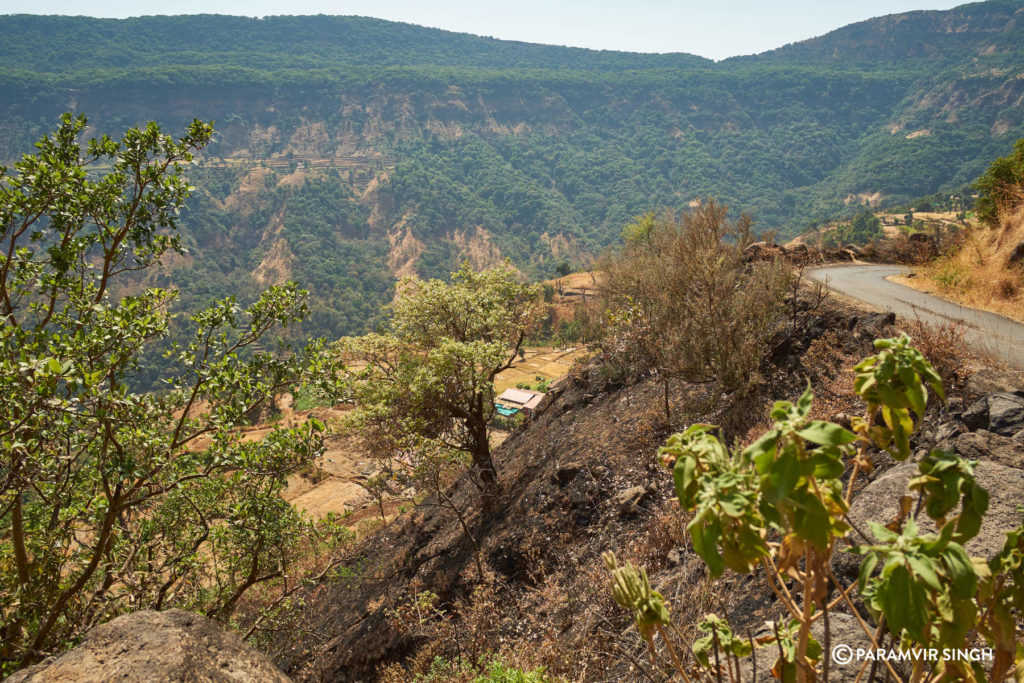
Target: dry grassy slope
{"x":980,"y":273}
{"x":580,"y":479}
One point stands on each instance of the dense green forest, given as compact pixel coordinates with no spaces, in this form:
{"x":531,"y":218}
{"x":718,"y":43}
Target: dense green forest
{"x":352,"y":150}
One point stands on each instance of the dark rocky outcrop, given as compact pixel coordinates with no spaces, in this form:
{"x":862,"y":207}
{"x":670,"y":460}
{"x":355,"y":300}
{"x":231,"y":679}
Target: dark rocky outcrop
{"x":156,"y":646}
{"x":1001,"y":413}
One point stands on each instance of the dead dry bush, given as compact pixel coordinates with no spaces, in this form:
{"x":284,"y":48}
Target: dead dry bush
{"x":976,"y":269}
{"x":824,"y":356}
{"x":1007,"y":287}
{"x":945,"y":348}
{"x":662,"y":533}
{"x":828,"y":364}
{"x":461,"y":636}
{"x":652,"y":423}
{"x":681,"y":301}
{"x":902,"y":249}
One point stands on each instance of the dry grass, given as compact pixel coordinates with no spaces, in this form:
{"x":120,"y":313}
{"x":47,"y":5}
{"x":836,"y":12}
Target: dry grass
{"x":977,"y":273}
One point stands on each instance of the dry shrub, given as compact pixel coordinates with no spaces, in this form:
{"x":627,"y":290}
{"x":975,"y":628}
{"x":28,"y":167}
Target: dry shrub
{"x":975,"y":268}
{"x":683,"y":301}
{"x":651,"y":424}
{"x":663,"y":532}
{"x":1007,"y":287}
{"x":829,"y":365}
{"x":945,"y":348}
{"x":460,"y":637}
{"x":824,"y":355}
{"x":902,"y":249}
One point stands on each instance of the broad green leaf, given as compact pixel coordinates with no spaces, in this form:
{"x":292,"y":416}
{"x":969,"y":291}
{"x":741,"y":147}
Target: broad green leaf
{"x":904,"y":602}
{"x":923,"y":569}
{"x":881,"y":533}
{"x":765,"y":445}
{"x":824,"y":466}
{"x":811,"y":521}
{"x":867,"y":568}
{"x":781,"y":477}
{"x":960,"y":570}
{"x":826,"y":434}
{"x":684,"y":474}
{"x":805,"y":401}
{"x":733,"y":504}
{"x":975,"y":505}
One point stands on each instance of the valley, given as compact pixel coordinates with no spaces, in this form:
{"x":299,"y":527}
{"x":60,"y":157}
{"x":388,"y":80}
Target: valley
{"x":345,"y":164}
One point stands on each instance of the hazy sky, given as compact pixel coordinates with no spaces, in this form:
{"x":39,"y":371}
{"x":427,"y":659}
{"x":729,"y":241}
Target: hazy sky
{"x":712,"y":28}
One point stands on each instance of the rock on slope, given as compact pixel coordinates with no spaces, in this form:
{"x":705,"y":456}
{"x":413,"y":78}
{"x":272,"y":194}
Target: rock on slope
{"x":156,"y":646}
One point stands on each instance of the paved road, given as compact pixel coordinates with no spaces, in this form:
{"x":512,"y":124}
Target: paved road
{"x":987,"y":332}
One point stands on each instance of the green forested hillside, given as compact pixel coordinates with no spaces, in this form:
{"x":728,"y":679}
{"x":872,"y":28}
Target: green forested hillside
{"x":352,"y":150}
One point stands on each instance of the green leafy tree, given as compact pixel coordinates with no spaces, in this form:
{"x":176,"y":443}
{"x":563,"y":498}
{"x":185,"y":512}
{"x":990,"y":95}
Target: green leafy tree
{"x":432,"y":376}
{"x":865,"y":227}
{"x":110,"y":500}
{"x":1001,"y":187}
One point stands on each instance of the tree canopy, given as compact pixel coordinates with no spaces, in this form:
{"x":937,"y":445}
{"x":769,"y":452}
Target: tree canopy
{"x":1001,"y":187}
{"x":432,"y":376}
{"x":112,"y":500}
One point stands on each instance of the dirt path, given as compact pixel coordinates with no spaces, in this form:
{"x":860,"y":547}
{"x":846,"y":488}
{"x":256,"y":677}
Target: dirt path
{"x":987,"y":332}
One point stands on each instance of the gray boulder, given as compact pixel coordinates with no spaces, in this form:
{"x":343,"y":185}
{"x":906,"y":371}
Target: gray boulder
{"x":1005,"y":413}
{"x":879,"y":502}
{"x":986,"y":445}
{"x":844,"y":630}
{"x":156,"y":646}
{"x":1002,"y":413}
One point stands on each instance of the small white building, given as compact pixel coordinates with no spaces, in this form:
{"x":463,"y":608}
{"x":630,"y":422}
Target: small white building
{"x":514,"y":400}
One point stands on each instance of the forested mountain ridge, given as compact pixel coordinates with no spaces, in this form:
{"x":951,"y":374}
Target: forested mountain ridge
{"x":281,"y":42}
{"x":351,"y":150}
{"x":965,"y":32}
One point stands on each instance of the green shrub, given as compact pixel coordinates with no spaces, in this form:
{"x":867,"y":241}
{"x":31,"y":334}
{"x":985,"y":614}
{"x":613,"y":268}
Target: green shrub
{"x":488,"y":670}
{"x":1001,"y":187}
{"x":952,"y":277}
